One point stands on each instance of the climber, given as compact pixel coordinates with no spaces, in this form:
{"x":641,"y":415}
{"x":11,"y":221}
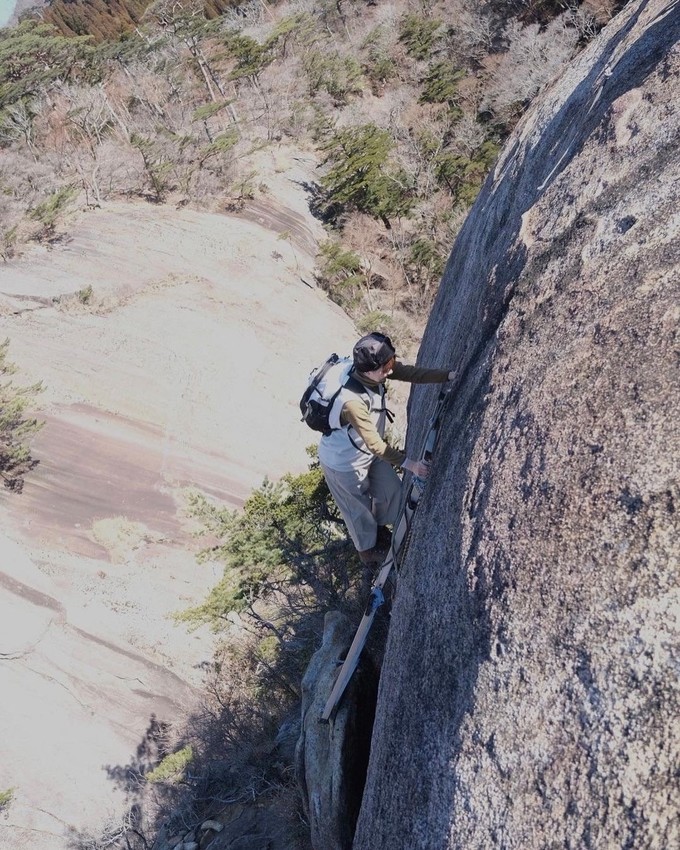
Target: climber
{"x":356,"y":461}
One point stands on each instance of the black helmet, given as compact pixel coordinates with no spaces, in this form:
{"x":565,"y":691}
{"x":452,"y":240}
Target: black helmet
{"x":372,"y":351}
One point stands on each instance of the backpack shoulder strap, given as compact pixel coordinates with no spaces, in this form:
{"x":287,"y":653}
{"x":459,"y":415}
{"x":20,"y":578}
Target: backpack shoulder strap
{"x":355,"y":386}
{"x":316,"y":380}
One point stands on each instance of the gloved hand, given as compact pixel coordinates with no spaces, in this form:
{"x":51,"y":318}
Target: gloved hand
{"x":420,"y":468}
{"x":452,"y":375}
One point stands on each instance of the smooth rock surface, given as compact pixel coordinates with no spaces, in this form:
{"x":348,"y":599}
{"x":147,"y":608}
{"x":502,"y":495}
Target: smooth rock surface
{"x":173,"y":358}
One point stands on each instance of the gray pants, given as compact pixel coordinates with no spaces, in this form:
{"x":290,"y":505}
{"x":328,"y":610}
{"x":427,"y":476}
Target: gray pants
{"x":366,"y":498}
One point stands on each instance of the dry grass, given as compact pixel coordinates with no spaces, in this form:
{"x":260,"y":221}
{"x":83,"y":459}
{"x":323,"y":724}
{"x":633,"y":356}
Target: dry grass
{"x":121,"y":536}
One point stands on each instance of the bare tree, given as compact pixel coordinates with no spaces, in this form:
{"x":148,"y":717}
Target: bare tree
{"x":16,"y":123}
{"x":533,"y":58}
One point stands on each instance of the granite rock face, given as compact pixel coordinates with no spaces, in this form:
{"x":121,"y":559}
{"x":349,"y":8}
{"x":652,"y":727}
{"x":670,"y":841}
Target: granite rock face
{"x":330,"y":758}
{"x":530,"y":695}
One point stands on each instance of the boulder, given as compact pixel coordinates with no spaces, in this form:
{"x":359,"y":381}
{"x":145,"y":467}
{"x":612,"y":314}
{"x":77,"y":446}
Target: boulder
{"x":331,"y":757}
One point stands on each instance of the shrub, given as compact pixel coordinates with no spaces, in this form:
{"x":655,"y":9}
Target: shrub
{"x":48,"y":213}
{"x":440,"y":84}
{"x":418,"y":35}
{"x":172,"y":767}
{"x":376,"y":320}
{"x":424,"y":265}
{"x":464,"y":175}
{"x":9,"y":240}
{"x":339,"y":76}
{"x":287,"y":541}
{"x":15,"y":428}
{"x":380,"y":70}
{"x":157,"y":166}
{"x":339,"y":272}
{"x":85,"y":294}
{"x":251,"y":56}
{"x":378,"y":66}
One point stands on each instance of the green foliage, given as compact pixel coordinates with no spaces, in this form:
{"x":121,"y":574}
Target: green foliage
{"x":6,"y":798}
{"x":156,"y":164}
{"x":376,"y":320}
{"x":297,"y":29}
{"x":359,"y":175}
{"x":440,"y":84}
{"x":127,"y":49}
{"x":15,"y":428}
{"x":321,"y":125}
{"x":85,"y":295}
{"x":9,"y":240}
{"x":33,"y":55}
{"x":425,"y":254}
{"x":340,"y":76}
{"x":220,"y":145}
{"x":378,"y":66}
{"x":480,"y":165}
{"x":251,"y":56}
{"x":464,"y":175}
{"x":424,"y":265}
{"x":47,"y":213}
{"x":288,"y":535}
{"x":418,"y":35}
{"x":380,"y":70}
{"x":208,"y":110}
{"x":339,"y":272}
{"x":450,"y":169}
{"x":172,"y":767}
{"x":429,"y":143}
{"x":338,"y":262}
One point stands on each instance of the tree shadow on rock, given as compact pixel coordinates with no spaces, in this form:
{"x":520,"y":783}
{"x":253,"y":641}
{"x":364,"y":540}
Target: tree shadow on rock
{"x":318,"y":202}
{"x":241,"y":739}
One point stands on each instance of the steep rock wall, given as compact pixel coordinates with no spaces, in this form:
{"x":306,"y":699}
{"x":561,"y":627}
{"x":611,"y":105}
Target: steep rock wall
{"x":530,"y":693}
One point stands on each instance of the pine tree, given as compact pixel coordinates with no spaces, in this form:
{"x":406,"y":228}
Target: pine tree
{"x":33,"y":54}
{"x":288,"y":538}
{"x":360,"y":176}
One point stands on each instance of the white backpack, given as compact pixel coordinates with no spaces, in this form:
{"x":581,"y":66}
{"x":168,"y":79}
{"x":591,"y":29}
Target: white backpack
{"x":323,"y":388}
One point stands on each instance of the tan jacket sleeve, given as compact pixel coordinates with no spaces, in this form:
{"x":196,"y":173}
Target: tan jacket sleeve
{"x":355,"y":413}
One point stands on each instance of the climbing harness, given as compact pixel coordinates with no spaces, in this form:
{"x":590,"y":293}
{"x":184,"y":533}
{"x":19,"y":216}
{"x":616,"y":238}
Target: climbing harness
{"x":400,"y":539}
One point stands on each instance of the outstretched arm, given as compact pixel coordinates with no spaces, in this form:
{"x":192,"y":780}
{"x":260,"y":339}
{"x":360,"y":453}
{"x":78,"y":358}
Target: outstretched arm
{"x":418,"y":375}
